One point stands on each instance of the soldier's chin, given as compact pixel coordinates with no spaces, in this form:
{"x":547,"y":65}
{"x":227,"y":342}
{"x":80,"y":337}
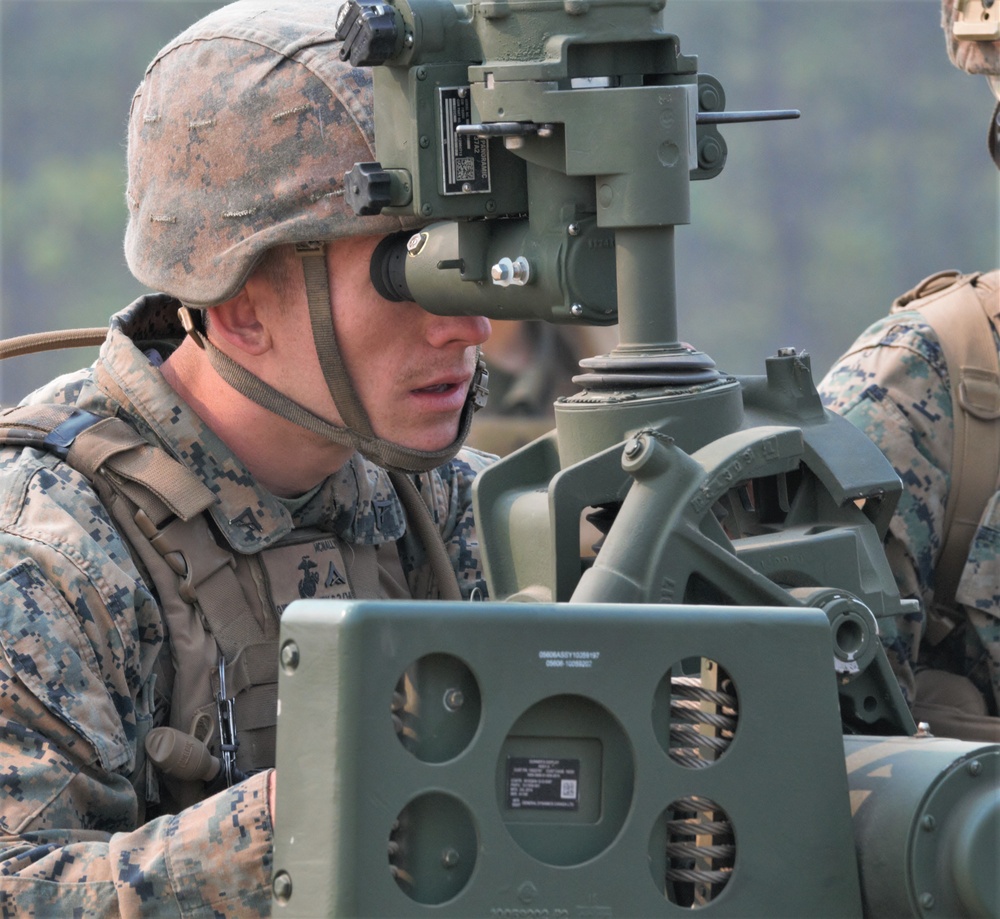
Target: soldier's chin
{"x":432,"y":445}
{"x":430,"y":441}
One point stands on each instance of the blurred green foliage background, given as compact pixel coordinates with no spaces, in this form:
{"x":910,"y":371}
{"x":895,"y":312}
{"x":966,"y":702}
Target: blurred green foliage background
{"x":806,"y":236}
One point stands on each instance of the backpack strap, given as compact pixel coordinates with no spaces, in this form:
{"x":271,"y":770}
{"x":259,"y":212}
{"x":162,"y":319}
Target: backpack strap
{"x":964,"y":312}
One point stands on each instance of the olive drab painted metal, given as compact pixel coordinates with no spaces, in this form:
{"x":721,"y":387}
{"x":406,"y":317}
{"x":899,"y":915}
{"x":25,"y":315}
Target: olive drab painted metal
{"x":555,"y":781}
{"x":661,"y":725}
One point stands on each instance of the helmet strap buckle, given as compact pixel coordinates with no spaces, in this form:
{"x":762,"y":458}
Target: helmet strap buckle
{"x":190,"y":326}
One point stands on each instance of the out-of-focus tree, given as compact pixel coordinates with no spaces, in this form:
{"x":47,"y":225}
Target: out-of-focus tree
{"x":815,"y":225}
{"x":68,"y":69}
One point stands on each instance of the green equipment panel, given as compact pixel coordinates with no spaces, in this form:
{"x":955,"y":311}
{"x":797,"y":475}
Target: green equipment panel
{"x":575,"y":760}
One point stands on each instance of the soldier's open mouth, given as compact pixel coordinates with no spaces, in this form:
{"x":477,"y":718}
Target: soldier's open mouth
{"x":441,"y":387}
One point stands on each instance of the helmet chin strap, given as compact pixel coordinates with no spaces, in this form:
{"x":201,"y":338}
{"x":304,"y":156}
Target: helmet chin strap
{"x":383,"y":452}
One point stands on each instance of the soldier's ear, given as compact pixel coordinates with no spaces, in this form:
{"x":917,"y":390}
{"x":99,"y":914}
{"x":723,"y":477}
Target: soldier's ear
{"x":243,"y":320}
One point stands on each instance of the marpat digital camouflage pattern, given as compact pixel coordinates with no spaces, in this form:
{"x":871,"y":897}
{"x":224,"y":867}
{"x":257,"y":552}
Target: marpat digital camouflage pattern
{"x":895,"y":386}
{"x":81,"y":631}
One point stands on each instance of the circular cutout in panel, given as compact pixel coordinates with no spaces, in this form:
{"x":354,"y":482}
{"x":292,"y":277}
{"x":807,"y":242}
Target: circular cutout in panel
{"x":436,"y":707}
{"x":692,"y":851}
{"x":564,"y":779}
{"x":695,"y":712}
{"x":432,"y":848}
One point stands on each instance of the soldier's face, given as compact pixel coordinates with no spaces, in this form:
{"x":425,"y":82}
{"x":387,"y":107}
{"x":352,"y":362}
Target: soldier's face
{"x":411,"y":369}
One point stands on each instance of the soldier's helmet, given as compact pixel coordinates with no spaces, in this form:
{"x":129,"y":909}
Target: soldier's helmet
{"x":239,"y":137}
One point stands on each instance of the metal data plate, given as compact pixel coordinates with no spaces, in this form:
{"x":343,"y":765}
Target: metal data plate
{"x":465,"y":161}
{"x":510,"y":760}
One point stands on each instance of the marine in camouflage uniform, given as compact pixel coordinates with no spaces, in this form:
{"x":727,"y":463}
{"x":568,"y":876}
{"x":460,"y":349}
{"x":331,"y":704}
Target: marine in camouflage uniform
{"x":895,"y":384}
{"x":87,"y":825}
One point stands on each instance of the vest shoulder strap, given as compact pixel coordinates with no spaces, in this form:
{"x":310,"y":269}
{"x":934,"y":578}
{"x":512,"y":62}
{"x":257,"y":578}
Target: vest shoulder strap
{"x":165,"y":500}
{"x":97,"y":445}
{"x":208,"y":597}
{"x":158,"y":506}
{"x":165,"y":505}
{"x":964,"y":311}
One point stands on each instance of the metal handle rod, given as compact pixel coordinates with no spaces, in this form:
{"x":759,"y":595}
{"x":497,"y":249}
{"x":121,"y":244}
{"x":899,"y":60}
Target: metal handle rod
{"x":734,"y":117}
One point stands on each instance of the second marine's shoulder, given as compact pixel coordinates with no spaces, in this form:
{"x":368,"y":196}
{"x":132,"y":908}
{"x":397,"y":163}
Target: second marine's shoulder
{"x":906,"y":331}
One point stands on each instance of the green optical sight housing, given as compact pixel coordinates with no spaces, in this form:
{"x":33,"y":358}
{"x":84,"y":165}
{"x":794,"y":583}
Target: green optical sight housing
{"x":539,"y":146}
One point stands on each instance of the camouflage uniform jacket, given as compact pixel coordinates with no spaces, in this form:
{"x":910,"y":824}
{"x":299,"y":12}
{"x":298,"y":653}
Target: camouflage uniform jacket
{"x":80,"y":633}
{"x":894,"y":385}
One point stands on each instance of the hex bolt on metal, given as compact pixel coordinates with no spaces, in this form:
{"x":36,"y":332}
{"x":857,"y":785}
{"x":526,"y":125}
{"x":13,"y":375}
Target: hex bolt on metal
{"x":282,"y":887}
{"x":290,"y":656}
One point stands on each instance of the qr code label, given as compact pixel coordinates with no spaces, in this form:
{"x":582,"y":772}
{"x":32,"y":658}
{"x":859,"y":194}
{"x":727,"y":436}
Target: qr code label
{"x":538,"y":783}
{"x":465,"y":169}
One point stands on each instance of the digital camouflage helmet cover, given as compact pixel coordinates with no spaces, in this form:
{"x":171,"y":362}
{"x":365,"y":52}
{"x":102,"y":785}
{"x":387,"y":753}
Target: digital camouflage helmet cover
{"x":238,"y":141}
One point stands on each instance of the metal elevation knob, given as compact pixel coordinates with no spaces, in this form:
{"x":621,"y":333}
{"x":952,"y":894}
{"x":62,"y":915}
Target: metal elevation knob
{"x":367,"y":188}
{"x":368,"y":31}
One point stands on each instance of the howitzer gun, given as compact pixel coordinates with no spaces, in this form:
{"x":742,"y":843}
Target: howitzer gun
{"x":698,"y":715}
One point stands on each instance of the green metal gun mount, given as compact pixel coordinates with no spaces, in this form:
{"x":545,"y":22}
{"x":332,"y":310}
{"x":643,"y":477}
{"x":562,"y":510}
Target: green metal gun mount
{"x":525,"y":760}
{"x":737,"y":552}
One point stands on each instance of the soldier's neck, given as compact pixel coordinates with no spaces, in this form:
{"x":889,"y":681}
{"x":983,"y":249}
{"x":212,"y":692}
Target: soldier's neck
{"x":285,"y":459}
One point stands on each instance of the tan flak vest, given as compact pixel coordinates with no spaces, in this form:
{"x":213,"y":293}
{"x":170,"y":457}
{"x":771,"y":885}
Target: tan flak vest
{"x":964,"y":311}
{"x":213,"y":601}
